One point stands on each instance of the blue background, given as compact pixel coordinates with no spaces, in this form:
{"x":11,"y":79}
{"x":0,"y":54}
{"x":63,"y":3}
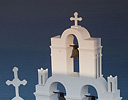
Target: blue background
{"x":26,"y":27}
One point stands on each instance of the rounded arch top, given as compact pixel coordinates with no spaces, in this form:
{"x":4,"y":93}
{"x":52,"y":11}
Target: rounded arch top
{"x":78,"y":31}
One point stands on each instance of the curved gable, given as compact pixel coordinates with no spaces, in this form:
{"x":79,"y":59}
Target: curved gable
{"x":79,"y":32}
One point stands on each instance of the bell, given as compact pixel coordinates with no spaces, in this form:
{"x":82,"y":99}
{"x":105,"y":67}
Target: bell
{"x":75,"y":52}
{"x":61,"y":95}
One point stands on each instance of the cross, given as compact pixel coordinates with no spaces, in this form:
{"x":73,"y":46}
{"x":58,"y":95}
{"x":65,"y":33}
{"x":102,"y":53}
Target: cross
{"x":75,"y":18}
{"x":16,"y":83}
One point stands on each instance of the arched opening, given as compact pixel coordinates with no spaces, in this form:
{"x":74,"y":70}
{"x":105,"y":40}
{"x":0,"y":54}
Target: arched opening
{"x":72,"y":54}
{"x":58,"y":91}
{"x":88,"y":92}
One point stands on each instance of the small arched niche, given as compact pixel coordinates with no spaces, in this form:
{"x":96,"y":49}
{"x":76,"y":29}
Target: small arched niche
{"x":72,"y":63}
{"x":56,"y":89}
{"x":88,"y":92}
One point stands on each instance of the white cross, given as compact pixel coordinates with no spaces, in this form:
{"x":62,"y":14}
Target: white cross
{"x":76,"y":19}
{"x":16,"y":83}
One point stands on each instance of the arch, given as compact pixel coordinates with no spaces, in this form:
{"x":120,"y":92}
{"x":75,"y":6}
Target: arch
{"x":80,"y":33}
{"x":52,"y":81}
{"x":86,"y":89}
{"x":54,"y":87}
{"x":67,"y":39}
{"x":71,"y":38}
{"x":70,"y":62}
{"x":98,"y":84}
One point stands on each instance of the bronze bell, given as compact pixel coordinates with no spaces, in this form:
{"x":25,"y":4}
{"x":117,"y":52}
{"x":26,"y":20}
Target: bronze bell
{"x":75,"y":52}
{"x":61,"y":95}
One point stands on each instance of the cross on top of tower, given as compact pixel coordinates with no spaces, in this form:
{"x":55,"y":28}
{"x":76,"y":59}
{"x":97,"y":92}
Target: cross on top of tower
{"x":76,"y":19}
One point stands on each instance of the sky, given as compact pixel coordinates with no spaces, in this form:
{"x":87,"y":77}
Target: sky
{"x":26,"y":27}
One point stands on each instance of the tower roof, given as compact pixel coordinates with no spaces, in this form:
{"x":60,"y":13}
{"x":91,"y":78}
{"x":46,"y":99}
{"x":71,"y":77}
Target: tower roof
{"x":77,"y":31}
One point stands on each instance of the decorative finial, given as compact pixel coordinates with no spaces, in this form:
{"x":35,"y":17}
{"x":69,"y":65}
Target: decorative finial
{"x":76,"y":19}
{"x":16,"y":83}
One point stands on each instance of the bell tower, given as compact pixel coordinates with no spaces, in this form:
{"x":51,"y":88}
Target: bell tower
{"x":90,"y":52}
{"x":76,"y":84}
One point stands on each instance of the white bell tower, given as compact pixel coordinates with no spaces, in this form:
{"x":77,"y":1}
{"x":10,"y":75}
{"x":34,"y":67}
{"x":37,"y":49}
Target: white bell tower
{"x":76,"y":84}
{"x":90,"y":52}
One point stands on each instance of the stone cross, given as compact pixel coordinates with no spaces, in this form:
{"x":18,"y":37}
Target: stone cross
{"x":76,"y":19}
{"x":16,"y":83}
